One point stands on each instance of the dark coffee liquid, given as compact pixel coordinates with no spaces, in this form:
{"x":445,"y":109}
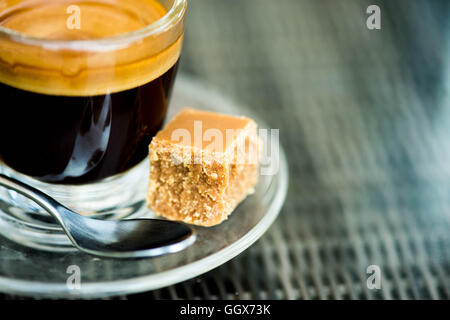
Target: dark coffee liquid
{"x":75,"y":140}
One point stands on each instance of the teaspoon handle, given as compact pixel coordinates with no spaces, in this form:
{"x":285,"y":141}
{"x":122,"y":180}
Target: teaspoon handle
{"x":45,"y":201}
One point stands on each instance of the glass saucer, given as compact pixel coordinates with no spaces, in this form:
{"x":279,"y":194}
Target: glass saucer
{"x":31,"y":272}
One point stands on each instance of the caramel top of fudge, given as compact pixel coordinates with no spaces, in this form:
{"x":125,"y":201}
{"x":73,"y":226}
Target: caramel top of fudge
{"x":205,"y":130}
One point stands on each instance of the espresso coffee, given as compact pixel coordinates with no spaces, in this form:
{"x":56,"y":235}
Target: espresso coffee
{"x":62,"y":139}
{"x":76,"y":117}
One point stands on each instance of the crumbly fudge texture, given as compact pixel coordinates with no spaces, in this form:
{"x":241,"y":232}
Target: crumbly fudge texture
{"x":196,"y":181}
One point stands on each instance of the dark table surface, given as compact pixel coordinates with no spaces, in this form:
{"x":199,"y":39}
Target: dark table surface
{"x":364,"y":116}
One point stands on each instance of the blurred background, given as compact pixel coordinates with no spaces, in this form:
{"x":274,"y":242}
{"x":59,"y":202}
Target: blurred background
{"x":364,"y":116}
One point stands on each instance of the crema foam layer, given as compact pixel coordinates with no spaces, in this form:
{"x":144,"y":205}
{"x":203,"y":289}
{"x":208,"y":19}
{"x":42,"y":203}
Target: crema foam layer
{"x":84,"y":71}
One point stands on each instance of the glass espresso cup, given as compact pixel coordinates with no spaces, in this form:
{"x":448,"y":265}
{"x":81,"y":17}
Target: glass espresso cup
{"x":84,"y":86}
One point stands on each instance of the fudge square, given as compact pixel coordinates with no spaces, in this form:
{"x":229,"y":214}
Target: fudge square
{"x":202,"y":165}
